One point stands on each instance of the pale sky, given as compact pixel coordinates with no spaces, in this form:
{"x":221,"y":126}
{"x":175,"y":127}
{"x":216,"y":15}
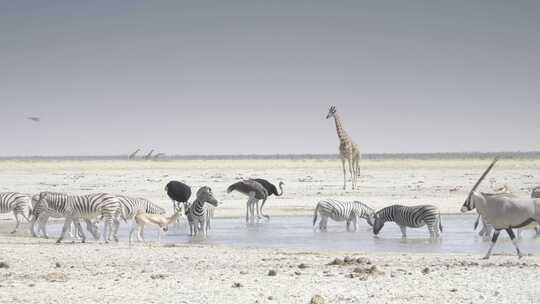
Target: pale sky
{"x":257,"y":77}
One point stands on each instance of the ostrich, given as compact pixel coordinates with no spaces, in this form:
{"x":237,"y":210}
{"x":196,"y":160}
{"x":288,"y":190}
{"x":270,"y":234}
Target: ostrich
{"x":147,"y":156}
{"x":270,"y":188}
{"x":178,"y":192}
{"x":132,"y":155}
{"x":255,"y":191}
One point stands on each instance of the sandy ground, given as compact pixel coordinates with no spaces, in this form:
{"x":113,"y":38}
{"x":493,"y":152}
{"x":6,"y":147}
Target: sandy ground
{"x":192,"y":273}
{"x":200,"y":273}
{"x":444,"y":183}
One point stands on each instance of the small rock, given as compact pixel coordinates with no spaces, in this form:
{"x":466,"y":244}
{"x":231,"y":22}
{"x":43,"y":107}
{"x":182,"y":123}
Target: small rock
{"x":348,"y":260}
{"x":425,"y":270}
{"x":57,"y":265}
{"x":31,"y":285}
{"x":272,"y":273}
{"x":237,"y":285}
{"x":158,"y":276}
{"x":4,"y":265}
{"x":270,"y":298}
{"x":453,"y":290}
{"x":243,"y":272}
{"x":317,"y":299}
{"x":297,"y":273}
{"x":302,"y":266}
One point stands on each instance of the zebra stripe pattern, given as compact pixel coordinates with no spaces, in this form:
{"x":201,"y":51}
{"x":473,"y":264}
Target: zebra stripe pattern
{"x":46,"y":204}
{"x":17,"y":203}
{"x":413,"y":216}
{"x":342,"y":211}
{"x":199,"y":213}
{"x":76,"y":207}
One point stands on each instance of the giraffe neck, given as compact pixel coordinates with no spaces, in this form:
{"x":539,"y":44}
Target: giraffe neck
{"x":341,"y":133}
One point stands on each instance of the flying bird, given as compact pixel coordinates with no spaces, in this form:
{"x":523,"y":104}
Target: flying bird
{"x":34,"y":119}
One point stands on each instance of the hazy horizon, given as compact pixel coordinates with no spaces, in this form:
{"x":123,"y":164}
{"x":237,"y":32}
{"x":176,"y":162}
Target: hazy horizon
{"x":250,"y":77}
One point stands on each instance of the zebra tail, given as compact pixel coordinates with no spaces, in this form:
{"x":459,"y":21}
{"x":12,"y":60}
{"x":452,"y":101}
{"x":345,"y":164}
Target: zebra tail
{"x":315,"y":214}
{"x":440,"y":223}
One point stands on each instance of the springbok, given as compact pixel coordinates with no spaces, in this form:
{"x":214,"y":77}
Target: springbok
{"x":502,"y":212}
{"x":142,"y":218}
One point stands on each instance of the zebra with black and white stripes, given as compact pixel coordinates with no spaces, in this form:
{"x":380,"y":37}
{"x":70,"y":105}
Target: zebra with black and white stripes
{"x":76,"y":207}
{"x":53,"y":207}
{"x":340,"y":211}
{"x":17,"y":203}
{"x":409,"y":216}
{"x":198,"y":211}
{"x":129,"y":208}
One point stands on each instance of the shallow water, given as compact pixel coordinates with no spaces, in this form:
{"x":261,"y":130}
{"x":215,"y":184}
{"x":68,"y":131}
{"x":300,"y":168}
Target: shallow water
{"x":297,"y":233}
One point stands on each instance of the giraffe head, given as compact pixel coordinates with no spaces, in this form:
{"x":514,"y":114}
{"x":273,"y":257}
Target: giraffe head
{"x":331,"y":112}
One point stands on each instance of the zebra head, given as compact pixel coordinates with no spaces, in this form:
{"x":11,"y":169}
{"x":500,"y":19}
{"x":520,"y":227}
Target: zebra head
{"x":469,"y":203}
{"x":204,"y":194}
{"x":331,"y":112}
{"x":378,"y":223}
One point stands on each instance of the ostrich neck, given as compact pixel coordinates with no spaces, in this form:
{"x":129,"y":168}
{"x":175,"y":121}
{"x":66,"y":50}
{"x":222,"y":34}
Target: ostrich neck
{"x":280,"y":190}
{"x":341,"y":133}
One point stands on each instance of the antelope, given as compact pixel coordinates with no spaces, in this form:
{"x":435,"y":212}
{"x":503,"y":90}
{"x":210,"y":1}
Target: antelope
{"x":502,"y":211}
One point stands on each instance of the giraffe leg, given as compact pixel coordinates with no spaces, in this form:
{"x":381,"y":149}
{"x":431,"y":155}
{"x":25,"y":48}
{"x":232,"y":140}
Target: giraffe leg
{"x":351,"y":172}
{"x":344,"y":173}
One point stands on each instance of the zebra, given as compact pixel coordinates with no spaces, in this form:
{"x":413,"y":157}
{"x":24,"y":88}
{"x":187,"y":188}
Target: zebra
{"x":17,"y":203}
{"x":209,"y":216}
{"x":129,"y":208}
{"x":199,"y":212}
{"x":52,"y":207}
{"x":75,"y":207}
{"x":413,"y":216}
{"x":342,"y":211}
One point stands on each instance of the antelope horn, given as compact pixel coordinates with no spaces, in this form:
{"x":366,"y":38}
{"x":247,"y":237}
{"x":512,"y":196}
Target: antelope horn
{"x":484,"y":175}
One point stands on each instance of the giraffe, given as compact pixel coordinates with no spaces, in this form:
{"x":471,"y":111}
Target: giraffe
{"x":348,"y":151}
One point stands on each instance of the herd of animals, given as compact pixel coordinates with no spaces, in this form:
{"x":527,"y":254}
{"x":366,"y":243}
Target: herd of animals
{"x":497,"y":211}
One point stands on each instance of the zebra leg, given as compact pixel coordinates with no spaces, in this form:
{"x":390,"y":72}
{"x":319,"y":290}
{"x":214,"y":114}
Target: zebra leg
{"x":18,"y":222}
{"x":67,"y":225}
{"x":80,"y":231}
{"x":42,"y":225}
{"x":323,"y":223}
{"x":493,"y":241}
{"x":403,"y":231}
{"x":514,"y":241}
{"x":32,"y":224}
{"x":116,"y":223}
{"x":203,"y":227}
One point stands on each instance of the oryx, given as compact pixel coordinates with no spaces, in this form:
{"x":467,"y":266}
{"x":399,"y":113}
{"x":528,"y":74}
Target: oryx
{"x":502,"y":211}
